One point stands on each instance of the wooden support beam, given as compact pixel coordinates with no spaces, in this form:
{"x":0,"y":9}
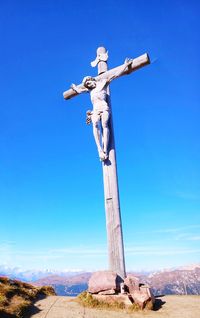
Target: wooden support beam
{"x":137,"y":63}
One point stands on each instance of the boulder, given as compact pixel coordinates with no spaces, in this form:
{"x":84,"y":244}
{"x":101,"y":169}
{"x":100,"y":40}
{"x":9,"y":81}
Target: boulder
{"x":113,"y":299}
{"x":140,"y":298}
{"x":103,"y":281}
{"x":131,"y":283}
{"x":107,"y":292}
{"x":143,"y":296}
{"x":146,"y":289}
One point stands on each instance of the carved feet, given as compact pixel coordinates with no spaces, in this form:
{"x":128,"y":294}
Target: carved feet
{"x":102,"y":155}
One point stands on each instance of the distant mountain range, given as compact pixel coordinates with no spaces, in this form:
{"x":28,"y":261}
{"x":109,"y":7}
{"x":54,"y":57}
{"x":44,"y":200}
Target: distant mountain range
{"x":66,"y":286}
{"x":33,"y":275}
{"x":176,"y":282}
{"x":185,"y":280}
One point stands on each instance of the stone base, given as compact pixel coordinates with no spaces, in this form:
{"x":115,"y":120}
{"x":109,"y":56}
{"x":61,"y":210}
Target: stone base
{"x":104,"y":282}
{"x":110,"y":299}
{"x":141,"y":293}
{"x":105,"y":286}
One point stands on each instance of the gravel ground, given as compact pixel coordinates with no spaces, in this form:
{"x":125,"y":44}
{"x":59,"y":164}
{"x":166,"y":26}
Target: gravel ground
{"x":166,"y":307}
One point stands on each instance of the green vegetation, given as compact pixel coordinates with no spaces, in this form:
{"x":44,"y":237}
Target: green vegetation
{"x":16,"y":297}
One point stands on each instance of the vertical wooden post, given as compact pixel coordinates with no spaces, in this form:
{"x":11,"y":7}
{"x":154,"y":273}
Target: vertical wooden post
{"x":111,"y":193}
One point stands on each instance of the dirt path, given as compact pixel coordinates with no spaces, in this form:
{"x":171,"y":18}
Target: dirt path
{"x":166,"y":307}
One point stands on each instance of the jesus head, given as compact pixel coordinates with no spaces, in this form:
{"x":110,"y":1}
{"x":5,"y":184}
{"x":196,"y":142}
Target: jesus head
{"x":89,"y":82}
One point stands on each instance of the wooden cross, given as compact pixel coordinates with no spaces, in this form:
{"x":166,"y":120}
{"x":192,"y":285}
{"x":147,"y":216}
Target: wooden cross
{"x":111,"y":192}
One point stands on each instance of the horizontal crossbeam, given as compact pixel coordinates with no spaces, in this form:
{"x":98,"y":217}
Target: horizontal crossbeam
{"x":137,"y":63}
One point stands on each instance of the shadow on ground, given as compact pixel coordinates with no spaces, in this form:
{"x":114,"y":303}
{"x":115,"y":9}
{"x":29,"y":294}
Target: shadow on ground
{"x":32,"y":310}
{"x":4,"y":315}
{"x":158,"y":303}
{"x":29,"y":312}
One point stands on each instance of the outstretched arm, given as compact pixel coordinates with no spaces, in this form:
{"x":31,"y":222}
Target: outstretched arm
{"x":79,"y":89}
{"x":126,"y":64}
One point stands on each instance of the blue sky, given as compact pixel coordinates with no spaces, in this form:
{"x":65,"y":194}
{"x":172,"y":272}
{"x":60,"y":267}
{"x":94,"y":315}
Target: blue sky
{"x":51,"y":190}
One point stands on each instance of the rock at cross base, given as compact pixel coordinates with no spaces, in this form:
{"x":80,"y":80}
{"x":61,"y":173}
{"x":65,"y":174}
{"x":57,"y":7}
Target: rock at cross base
{"x":147,"y":289}
{"x":140,"y":293}
{"x":143,"y":296}
{"x":103,"y":281}
{"x":107,"y":292}
{"x":110,"y":299}
{"x":131,"y":283}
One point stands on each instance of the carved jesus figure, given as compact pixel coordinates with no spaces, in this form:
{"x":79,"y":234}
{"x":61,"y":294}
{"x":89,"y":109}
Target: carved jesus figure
{"x":101,"y":111}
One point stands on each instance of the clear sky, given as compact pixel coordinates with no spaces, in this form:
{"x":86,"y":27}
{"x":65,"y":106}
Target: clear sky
{"x":51,"y":189}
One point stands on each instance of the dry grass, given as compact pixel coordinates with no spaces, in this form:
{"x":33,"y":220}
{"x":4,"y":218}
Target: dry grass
{"x":16,"y":297}
{"x":87,"y":300}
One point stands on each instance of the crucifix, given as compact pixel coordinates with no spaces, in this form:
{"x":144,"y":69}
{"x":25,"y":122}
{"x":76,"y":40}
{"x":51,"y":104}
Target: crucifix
{"x":101,"y":118}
